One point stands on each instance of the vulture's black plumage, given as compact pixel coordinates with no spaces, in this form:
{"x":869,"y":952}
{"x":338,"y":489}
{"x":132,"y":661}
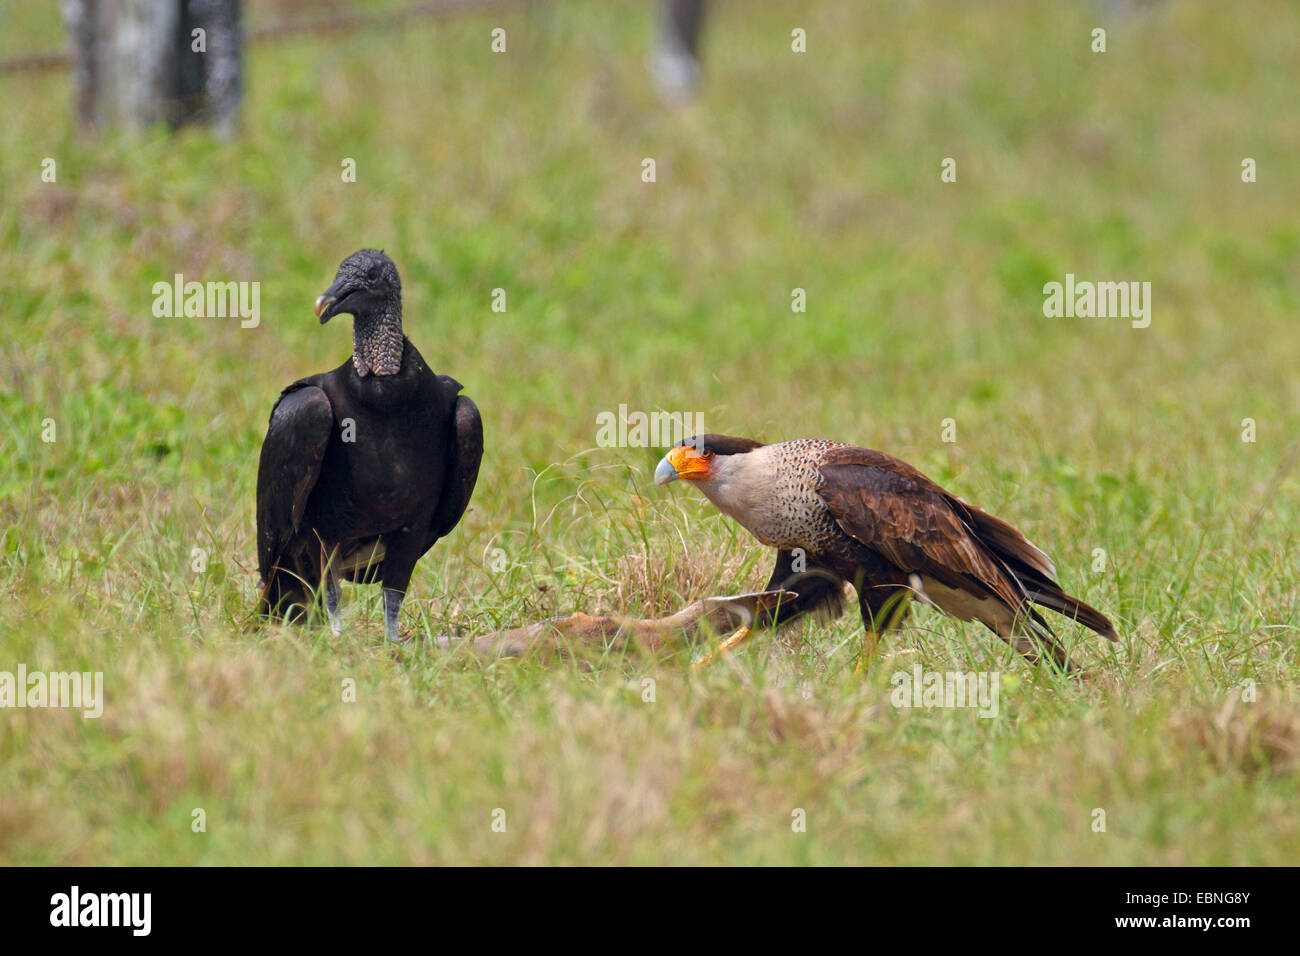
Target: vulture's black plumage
{"x":365,"y":467}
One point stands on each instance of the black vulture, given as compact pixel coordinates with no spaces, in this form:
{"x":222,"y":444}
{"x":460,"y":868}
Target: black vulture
{"x":365,"y":467}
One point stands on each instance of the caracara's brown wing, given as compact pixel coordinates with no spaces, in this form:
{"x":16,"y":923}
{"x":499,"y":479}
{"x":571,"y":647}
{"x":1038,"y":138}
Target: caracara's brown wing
{"x":897,"y":512}
{"x":893,"y":509}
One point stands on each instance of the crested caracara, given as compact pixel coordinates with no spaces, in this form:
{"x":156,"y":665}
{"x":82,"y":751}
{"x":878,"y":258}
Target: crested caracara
{"x":838,"y":513}
{"x":365,"y":467}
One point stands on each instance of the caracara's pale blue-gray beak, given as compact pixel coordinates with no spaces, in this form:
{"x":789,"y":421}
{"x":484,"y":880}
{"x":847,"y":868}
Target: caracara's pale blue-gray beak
{"x":664,"y":471}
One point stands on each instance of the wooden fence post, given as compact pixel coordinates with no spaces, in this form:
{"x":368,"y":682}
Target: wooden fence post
{"x":141,"y":62}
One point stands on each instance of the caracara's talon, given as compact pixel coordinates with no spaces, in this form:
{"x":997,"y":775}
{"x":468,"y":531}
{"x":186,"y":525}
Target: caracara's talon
{"x":726,"y":646}
{"x":869,"y":644}
{"x":740,"y":634}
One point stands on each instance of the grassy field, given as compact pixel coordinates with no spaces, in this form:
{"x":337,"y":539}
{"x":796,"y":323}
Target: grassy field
{"x":523,"y":171}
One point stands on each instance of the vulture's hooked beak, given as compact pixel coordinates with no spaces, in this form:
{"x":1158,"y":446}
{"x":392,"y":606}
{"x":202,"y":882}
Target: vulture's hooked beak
{"x":321,"y":302}
{"x":328,"y":303}
{"x":682,"y":462}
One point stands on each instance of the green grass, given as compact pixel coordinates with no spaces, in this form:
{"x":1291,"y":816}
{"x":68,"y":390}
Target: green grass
{"x":818,"y":171}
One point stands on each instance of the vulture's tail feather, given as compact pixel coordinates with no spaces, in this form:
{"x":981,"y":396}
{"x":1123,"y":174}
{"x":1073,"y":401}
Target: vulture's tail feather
{"x":286,"y":594}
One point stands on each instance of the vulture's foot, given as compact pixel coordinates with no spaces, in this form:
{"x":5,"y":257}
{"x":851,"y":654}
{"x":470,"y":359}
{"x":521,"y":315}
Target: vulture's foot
{"x":333,"y":595}
{"x":392,"y":609}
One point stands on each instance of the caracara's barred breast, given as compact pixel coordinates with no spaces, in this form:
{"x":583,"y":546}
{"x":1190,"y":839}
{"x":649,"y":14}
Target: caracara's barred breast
{"x":772,"y":491}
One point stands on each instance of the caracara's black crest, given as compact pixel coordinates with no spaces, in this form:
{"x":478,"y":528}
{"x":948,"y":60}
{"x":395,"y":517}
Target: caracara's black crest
{"x":721,"y":444}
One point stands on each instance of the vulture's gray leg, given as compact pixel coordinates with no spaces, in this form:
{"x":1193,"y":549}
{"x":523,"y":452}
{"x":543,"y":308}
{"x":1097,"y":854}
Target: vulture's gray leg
{"x":332,"y":595}
{"x":401,"y":550}
{"x":392,"y":610}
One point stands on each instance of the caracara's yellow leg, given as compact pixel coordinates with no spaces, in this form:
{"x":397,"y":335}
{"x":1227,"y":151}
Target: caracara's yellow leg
{"x":731,"y":642}
{"x":735,"y":639}
{"x":869,"y":642}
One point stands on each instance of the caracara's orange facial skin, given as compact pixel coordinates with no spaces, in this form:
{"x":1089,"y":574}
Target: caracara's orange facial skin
{"x":689,"y":463}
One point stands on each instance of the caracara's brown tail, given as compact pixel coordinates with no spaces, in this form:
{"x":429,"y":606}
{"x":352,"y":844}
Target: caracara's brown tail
{"x":1034,"y":570}
{"x":1049,"y":595}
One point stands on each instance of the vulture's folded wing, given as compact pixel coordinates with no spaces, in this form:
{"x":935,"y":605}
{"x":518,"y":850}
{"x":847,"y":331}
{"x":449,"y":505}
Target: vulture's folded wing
{"x":464,"y":456}
{"x":295,"y":444}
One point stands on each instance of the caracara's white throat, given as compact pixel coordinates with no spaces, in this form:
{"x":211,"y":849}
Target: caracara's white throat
{"x":772,"y":492}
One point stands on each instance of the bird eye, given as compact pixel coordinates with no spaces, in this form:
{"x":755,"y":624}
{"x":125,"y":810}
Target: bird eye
{"x":373,"y":275}
{"x":707,"y":455}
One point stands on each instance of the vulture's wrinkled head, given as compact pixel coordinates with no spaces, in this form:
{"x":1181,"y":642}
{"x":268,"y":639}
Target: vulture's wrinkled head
{"x":366,"y":283}
{"x":697,"y":458}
